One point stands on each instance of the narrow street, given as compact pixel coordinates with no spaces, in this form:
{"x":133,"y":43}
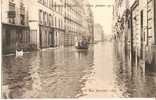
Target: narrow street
{"x":70,"y":73}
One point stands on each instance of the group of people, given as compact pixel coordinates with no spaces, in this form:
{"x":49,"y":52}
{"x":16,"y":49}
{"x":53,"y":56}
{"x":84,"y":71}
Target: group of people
{"x":82,"y":44}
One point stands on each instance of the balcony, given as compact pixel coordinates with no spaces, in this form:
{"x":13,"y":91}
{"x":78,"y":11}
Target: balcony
{"x":22,"y":11}
{"x":11,"y":14}
{"x":22,"y":19}
{"x":12,"y":20}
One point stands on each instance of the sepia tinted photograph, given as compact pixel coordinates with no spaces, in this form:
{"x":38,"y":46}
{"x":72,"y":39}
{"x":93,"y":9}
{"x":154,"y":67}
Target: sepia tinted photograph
{"x":72,"y":49}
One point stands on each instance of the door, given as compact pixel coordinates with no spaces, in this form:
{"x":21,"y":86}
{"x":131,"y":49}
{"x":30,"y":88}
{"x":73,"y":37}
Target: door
{"x":19,"y":38}
{"x":142,"y":34}
{"x":51,"y":39}
{"x":40,"y":32}
{"x":8,"y":39}
{"x":50,"y":42}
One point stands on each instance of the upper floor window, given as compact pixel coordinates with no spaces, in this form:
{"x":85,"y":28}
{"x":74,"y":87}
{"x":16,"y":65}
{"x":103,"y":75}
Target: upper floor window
{"x":52,"y":20}
{"x":11,"y":6}
{"x":50,"y":3}
{"x":11,"y":13}
{"x":48,"y":19}
{"x":22,"y":19}
{"x":55,"y":6}
{"x":55,"y":22}
{"x":59,"y":23}
{"x":22,"y":13}
{"x":44,"y":17}
{"x":22,"y":8}
{"x":45,"y":2}
{"x":40,"y":16}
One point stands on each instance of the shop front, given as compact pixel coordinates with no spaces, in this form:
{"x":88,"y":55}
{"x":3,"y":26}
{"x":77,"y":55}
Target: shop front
{"x":14,"y":37}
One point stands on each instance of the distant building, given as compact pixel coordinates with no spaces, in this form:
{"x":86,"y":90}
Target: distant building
{"x":73,"y":21}
{"x":88,"y":22}
{"x":98,"y":33}
{"x":78,"y":21}
{"x":15,"y":29}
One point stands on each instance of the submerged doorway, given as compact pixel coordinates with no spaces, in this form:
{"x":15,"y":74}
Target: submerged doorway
{"x":51,"y":39}
{"x":142,"y":34}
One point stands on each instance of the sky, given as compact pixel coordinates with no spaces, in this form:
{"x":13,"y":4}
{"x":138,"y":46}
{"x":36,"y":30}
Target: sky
{"x":103,"y":14}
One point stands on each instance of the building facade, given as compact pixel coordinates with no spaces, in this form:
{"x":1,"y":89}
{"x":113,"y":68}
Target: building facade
{"x":99,"y":33}
{"x":46,"y":20}
{"x":73,"y":21}
{"x":88,"y":22}
{"x":136,"y":27}
{"x":15,"y":29}
{"x":78,"y":22}
{"x":37,"y":24}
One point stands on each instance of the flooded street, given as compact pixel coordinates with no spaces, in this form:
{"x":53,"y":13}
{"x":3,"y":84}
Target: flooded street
{"x":70,"y":73}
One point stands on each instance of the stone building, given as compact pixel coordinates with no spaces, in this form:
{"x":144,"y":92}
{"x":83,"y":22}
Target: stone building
{"x":78,"y":21}
{"x":148,"y":30}
{"x":143,"y":29}
{"x":140,"y":35}
{"x":98,"y":30}
{"x":41,"y":24}
{"x":46,"y":20}
{"x":88,"y":20}
{"x":15,"y":29}
{"x":91,"y":25}
{"x":73,"y":21}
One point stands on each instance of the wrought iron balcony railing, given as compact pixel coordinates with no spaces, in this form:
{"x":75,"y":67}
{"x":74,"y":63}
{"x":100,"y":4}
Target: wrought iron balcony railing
{"x":11,"y":14}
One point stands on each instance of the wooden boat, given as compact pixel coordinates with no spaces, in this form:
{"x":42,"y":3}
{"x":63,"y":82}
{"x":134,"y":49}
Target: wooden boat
{"x":82,"y":45}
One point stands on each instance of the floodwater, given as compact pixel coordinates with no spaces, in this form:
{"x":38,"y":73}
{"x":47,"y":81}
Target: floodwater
{"x":98,"y":72}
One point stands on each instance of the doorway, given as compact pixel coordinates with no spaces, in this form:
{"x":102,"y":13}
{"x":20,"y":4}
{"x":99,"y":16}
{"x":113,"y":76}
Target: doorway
{"x":142,"y":34}
{"x":51,"y":39}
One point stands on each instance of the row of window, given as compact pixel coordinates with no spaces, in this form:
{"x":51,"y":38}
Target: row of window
{"x":52,"y":4}
{"x":73,"y":15}
{"x":71,"y":26}
{"x":72,"y":12}
{"x":12,"y":13}
{"x":73,"y":8}
{"x":50,"y":20}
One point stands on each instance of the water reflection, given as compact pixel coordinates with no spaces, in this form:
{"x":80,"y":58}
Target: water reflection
{"x":132,"y":80}
{"x":50,"y":73}
{"x":15,"y":76}
{"x":102,"y":71}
